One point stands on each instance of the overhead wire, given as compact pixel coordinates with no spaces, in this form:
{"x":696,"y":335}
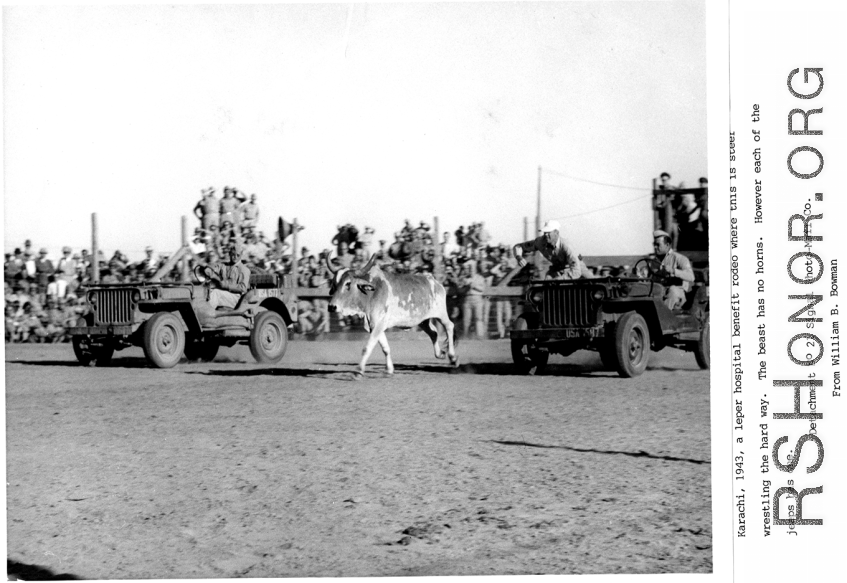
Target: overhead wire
{"x":556,"y":172}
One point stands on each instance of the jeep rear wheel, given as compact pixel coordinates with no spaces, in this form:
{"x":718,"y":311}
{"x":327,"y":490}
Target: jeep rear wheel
{"x":164,"y":340}
{"x":527,"y":357}
{"x":632,"y":345}
{"x":89,"y":355}
{"x":269,"y":337}
{"x":701,"y":351}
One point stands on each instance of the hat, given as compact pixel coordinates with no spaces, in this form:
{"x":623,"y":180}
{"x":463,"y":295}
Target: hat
{"x":551,"y":226}
{"x":66,"y":249}
{"x":660,"y":233}
{"x":42,"y":251}
{"x":148,"y":248}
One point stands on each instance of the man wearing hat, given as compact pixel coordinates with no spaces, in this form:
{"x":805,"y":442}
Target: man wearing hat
{"x":674,"y":266}
{"x":43,"y":270}
{"x":207,"y":210}
{"x":148,"y":265}
{"x":564,"y":261}
{"x":65,"y":271}
{"x":229,"y":280}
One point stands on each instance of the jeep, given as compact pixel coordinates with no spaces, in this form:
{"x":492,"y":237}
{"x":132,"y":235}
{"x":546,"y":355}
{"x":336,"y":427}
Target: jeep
{"x":622,"y":318}
{"x":169,"y":320}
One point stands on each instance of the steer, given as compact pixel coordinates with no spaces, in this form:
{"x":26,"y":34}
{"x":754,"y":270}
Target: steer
{"x":387,"y":300}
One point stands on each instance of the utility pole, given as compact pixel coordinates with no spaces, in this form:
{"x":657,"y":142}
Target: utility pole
{"x":526,"y":228}
{"x":538,"y":205}
{"x":439,"y":260}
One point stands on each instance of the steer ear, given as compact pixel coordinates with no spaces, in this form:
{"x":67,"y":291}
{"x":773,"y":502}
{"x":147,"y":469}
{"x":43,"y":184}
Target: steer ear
{"x":365,"y":288}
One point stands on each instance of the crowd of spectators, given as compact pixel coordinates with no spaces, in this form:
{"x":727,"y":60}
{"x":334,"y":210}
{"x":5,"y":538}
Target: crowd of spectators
{"x":42,"y":296}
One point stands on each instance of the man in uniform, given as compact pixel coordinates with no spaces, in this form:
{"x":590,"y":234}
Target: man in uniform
{"x":229,"y":280}
{"x":207,"y":210}
{"x":250,"y":214}
{"x":564,"y":260}
{"x":673,"y":265}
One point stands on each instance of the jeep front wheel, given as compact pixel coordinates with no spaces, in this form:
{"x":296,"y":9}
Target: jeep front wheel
{"x":701,"y":351}
{"x":632,"y":345}
{"x":164,"y":340}
{"x":269,"y":337}
{"x":527,"y":357}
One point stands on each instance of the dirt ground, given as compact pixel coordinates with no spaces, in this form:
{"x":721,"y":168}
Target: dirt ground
{"x":233,"y":469}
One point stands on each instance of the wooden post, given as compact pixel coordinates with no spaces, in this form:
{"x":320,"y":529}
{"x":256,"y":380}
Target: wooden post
{"x":95,"y":264}
{"x":526,"y":228}
{"x":668,"y":223}
{"x":438,"y":261}
{"x":184,"y":243}
{"x":657,"y":224}
{"x":295,"y":251}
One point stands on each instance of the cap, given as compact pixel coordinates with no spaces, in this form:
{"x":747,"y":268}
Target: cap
{"x":660,"y":233}
{"x":66,"y":249}
{"x":551,"y":226}
{"x":42,"y":251}
{"x":148,"y":248}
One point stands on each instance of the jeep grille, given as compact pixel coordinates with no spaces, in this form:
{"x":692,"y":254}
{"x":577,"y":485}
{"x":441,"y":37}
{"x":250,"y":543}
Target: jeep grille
{"x":568,"y":306}
{"x":112,"y":306}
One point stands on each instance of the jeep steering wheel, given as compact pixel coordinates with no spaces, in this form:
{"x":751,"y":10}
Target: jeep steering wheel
{"x":652,"y":265}
{"x":201,"y":274}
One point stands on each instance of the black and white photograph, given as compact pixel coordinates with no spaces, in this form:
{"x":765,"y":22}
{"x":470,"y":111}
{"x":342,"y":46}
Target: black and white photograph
{"x":357,"y":290}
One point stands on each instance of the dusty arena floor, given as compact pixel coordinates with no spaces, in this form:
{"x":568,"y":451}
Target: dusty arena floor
{"x":234,"y":469}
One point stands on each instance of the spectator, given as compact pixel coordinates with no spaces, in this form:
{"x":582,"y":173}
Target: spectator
{"x":43,"y":270}
{"x":502,"y":304}
{"x":366,"y":241}
{"x":148,"y":266}
{"x":665,"y":182}
{"x":692,"y":226}
{"x":250,"y":214}
{"x":473,"y":285}
{"x":66,"y":272}
{"x":208,"y":209}
{"x":228,"y":210}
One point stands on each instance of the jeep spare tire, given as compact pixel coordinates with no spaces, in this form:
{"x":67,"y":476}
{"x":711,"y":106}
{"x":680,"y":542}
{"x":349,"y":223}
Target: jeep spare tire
{"x":632,"y":345}
{"x":269,"y":337}
{"x":164,"y":340}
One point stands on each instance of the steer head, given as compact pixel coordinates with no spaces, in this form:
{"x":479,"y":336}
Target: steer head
{"x":350,"y":289}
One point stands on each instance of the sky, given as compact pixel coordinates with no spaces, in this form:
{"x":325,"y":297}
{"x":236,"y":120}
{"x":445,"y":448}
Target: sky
{"x":349,"y":113}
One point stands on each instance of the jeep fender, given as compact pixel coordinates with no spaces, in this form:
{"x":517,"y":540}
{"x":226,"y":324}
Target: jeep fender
{"x":644,"y":306}
{"x":277,"y":305}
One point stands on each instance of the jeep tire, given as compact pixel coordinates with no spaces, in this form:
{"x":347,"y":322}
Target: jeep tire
{"x":632,"y":345}
{"x":201,"y":350}
{"x":701,"y":351}
{"x":527,"y":357}
{"x":269,"y":338}
{"x":88,"y":355}
{"x":164,"y":340}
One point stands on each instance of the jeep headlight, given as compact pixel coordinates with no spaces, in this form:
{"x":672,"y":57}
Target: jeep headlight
{"x":136,"y":296}
{"x":598,"y":294}
{"x":536,"y":296}
{"x":91,"y":297}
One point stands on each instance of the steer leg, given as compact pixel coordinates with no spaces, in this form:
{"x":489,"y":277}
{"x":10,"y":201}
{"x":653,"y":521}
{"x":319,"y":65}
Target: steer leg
{"x":449,"y":327}
{"x":383,"y":343}
{"x":369,"y":347}
{"x":431,"y":330}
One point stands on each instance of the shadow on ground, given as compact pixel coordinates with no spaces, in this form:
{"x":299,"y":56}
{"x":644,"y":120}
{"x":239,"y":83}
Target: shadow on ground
{"x":22,"y":572}
{"x":639,"y":453}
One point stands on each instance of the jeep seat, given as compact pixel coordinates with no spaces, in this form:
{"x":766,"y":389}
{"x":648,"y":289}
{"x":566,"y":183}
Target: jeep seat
{"x":264,"y":280}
